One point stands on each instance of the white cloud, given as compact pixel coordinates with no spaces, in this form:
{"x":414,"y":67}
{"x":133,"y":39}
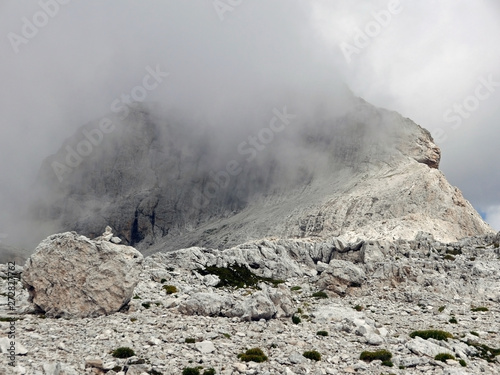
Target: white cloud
{"x":493,"y":217}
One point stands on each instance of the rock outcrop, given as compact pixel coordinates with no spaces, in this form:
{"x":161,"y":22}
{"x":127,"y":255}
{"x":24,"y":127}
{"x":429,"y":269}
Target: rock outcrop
{"x":182,"y":318}
{"x":72,"y":276}
{"x":162,"y":181}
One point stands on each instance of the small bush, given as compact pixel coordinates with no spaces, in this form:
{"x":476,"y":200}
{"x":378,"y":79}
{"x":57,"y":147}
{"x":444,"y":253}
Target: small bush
{"x":253,"y":355}
{"x":117,"y":368}
{"x":163,"y":281}
{"x":462,"y":363}
{"x":320,"y":294}
{"x":454,"y":252}
{"x":226,"y":335}
{"x":170,"y":289}
{"x":189,"y":340}
{"x":209,"y":371}
{"x":154,"y":372}
{"x":237,"y":276}
{"x":480,"y":308}
{"x":358,"y":307}
{"x":474,"y":333}
{"x":322,"y":333}
{"x":136,"y":297}
{"x":296,"y":319}
{"x":191,"y":371}
{"x":449,"y":257}
{"x":441,"y":308}
{"x":133,"y":319}
{"x":453,"y":320}
{"x":123,"y":352}
{"x":432,"y":334}
{"x":382,"y":354}
{"x":313,"y":355}
{"x":443,"y":357}
{"x":387,"y":363}
{"x":296,"y":288}
{"x":146,"y":305}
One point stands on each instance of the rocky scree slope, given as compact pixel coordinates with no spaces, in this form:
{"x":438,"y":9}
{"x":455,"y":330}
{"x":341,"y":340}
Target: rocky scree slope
{"x":349,"y":171}
{"x":376,"y":294}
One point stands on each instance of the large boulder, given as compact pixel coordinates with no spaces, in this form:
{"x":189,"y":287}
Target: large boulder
{"x":70,"y":275}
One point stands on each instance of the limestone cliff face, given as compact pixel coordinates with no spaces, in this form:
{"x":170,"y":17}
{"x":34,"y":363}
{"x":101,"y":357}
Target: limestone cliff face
{"x":163,"y":183}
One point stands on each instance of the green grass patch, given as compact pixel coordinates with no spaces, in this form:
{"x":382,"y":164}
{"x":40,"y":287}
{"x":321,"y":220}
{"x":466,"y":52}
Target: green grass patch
{"x":170,"y":289}
{"x":191,"y":371}
{"x":322,"y":333}
{"x":313,"y":355}
{"x":479,"y":308}
{"x":432,"y":334}
{"x":293,"y":288}
{"x":441,"y":308}
{"x":443,"y":357}
{"x":237,"y":276}
{"x":253,"y":355}
{"x":462,"y":363}
{"x":320,"y":294}
{"x":382,"y":355}
{"x":123,"y":352}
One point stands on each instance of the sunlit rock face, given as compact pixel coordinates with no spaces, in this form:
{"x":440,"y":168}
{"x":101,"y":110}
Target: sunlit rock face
{"x":298,"y":167}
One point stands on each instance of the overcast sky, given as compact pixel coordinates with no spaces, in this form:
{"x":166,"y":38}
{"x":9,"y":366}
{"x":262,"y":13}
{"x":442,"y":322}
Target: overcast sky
{"x":63,"y":64}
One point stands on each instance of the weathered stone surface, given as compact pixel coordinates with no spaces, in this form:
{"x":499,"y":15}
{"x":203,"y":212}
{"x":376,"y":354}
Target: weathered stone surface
{"x":72,"y":276}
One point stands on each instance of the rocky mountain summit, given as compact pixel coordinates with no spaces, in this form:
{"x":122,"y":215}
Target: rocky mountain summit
{"x":309,"y":170}
{"x":416,"y":306}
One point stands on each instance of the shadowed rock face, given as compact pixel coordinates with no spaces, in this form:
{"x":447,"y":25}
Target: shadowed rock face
{"x":163,"y":181}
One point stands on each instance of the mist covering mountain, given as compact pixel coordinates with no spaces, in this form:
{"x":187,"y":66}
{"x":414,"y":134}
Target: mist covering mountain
{"x":310,"y":164}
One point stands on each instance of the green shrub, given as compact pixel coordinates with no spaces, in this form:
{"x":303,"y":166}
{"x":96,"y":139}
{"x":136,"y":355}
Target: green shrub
{"x":154,"y":372}
{"x":123,"y":352}
{"x":441,"y":308}
{"x":226,"y":335}
{"x":474,"y":333}
{"x":462,"y":363}
{"x":443,"y":357}
{"x":146,"y":305}
{"x":191,"y":371}
{"x":189,"y":340}
{"x":432,"y":334}
{"x":253,"y":355}
{"x":387,"y":363}
{"x":136,"y":297}
{"x":313,"y":355}
{"x":296,"y":319}
{"x":454,"y":252}
{"x":449,"y":257}
{"x":322,"y":333}
{"x":170,"y":289}
{"x":163,"y":281}
{"x":382,"y":355}
{"x":296,"y":288}
{"x":133,"y":319}
{"x":358,"y":307}
{"x":117,"y":368}
{"x":237,"y":276}
{"x":479,"y":308}
{"x":209,"y":371}
{"x":320,"y":294}
{"x":453,"y":320}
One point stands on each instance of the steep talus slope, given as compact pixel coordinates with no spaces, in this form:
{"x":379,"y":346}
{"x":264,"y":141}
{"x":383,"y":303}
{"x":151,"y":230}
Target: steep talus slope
{"x":353,"y":169}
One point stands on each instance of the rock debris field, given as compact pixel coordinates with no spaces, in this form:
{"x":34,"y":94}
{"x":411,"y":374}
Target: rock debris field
{"x":419,"y":307}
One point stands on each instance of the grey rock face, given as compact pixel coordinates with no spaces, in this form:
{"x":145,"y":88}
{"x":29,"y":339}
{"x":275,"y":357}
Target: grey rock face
{"x":72,"y":276}
{"x":359,"y":171}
